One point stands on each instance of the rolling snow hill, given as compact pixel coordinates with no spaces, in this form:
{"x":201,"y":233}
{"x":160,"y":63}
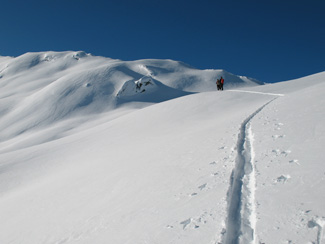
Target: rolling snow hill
{"x":95,"y":150}
{"x":44,"y":90}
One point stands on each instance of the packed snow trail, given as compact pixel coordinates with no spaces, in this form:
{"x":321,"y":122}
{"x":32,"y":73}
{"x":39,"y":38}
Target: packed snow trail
{"x":256,"y":92}
{"x":240,"y":224}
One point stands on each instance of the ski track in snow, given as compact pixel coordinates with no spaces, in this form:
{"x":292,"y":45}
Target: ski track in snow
{"x":255,"y":92}
{"x":241,"y":216}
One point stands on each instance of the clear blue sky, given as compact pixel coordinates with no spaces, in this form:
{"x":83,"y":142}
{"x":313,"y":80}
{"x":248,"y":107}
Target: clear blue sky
{"x":269,"y":40}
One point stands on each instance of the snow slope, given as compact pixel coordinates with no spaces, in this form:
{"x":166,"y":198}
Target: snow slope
{"x":290,"y":136}
{"x":238,"y":166}
{"x":61,"y":90}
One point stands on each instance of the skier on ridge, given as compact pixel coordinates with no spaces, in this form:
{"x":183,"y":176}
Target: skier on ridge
{"x":218,"y":84}
{"x":221,"y":81}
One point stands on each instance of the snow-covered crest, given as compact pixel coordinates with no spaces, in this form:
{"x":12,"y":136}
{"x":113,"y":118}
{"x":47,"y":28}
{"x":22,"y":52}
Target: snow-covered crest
{"x":39,"y":89}
{"x":80,"y":162}
{"x":131,"y":88}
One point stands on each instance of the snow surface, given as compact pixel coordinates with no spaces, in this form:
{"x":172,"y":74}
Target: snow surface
{"x":96,"y":150}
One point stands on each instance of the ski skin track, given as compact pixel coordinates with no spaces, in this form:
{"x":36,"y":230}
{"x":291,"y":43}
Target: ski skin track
{"x":241,"y":216}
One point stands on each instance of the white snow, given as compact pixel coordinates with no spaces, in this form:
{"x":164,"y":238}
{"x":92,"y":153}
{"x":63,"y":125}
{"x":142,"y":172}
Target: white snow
{"x":96,"y":150}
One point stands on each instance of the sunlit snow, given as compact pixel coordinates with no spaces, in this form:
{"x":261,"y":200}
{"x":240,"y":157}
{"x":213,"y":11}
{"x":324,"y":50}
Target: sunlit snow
{"x":97,"y":150}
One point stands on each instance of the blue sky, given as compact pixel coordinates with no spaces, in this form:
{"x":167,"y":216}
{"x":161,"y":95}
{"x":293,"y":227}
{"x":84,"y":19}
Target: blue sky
{"x":269,"y":40}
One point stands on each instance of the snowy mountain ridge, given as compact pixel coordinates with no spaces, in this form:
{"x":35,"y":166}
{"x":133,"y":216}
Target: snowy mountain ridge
{"x":96,"y":150}
{"x":47,"y":87}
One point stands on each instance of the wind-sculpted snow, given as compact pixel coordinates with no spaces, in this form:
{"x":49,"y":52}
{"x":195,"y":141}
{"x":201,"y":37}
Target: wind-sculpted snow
{"x":132,"y":88}
{"x":96,"y":150}
{"x":38,"y":90}
{"x":147,"y":89}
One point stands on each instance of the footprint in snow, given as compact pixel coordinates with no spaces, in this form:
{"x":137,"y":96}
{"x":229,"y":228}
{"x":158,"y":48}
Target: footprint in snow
{"x":225,"y":158}
{"x":278,"y":126}
{"x":285,"y":153}
{"x":278,"y":152}
{"x":195,"y":222}
{"x":283,"y":178}
{"x":294,"y":161}
{"x":186,"y":222}
{"x":201,"y":187}
{"x":278,"y":136}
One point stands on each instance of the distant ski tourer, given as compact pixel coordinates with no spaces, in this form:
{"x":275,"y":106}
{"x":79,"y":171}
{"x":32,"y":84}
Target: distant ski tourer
{"x":221,"y":81}
{"x":218,"y":84}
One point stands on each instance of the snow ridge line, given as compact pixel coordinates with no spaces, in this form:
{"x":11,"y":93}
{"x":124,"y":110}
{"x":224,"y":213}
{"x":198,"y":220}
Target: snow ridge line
{"x":241,"y":216}
{"x":256,"y":92}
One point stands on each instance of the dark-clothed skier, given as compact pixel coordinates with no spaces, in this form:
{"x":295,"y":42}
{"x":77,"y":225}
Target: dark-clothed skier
{"x":221,"y":81}
{"x":218,"y":84}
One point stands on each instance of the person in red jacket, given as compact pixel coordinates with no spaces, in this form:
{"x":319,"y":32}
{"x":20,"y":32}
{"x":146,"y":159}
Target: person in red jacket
{"x":221,"y":81}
